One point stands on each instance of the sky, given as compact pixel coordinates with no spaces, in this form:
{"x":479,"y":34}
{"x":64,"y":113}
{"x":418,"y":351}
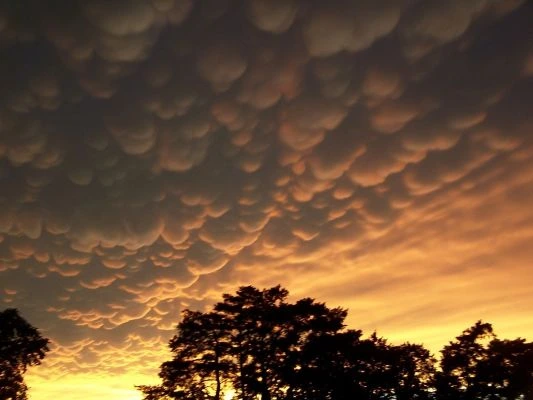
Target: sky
{"x":154,"y":154}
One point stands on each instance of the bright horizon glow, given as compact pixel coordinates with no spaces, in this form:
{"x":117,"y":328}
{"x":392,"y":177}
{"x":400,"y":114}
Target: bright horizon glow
{"x":229,"y":395}
{"x":78,"y":388}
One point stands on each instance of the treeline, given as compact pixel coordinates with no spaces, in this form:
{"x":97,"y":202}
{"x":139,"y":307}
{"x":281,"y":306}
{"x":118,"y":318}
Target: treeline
{"x":21,"y":346}
{"x":256,"y":345}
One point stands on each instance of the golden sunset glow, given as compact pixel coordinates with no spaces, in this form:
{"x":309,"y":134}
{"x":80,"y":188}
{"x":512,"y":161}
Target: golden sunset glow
{"x":155,"y":154}
{"x":229,"y":395}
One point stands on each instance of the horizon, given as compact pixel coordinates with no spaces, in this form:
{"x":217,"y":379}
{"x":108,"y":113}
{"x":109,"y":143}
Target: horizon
{"x":114,"y":387}
{"x":155,"y":154}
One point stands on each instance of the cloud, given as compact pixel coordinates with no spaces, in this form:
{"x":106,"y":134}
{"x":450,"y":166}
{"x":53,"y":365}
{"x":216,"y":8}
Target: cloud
{"x":120,"y":19}
{"x":349,"y":26}
{"x":226,"y":234}
{"x":273,"y":16}
{"x":306,"y":121}
{"x":221,"y":64}
{"x":383,"y":158}
{"x":435,"y":23}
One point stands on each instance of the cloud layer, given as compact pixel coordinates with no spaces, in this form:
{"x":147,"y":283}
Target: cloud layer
{"x":155,"y":153}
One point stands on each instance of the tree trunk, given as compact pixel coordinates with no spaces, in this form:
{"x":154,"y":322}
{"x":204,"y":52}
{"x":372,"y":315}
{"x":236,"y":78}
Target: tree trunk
{"x":241,"y":377}
{"x":265,"y":393}
{"x":217,"y":373}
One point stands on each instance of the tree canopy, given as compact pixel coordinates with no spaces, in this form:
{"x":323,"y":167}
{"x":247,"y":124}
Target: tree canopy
{"x":21,"y":346}
{"x":257,"y":345}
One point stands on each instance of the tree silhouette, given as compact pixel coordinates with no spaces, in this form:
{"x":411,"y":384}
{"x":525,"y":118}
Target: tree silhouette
{"x":200,"y":362}
{"x":507,"y":373}
{"x":256,"y":344}
{"x":477,"y":365}
{"x":459,"y":363}
{"x":413,"y":372}
{"x":268,"y":335}
{"x":254,"y":320}
{"x":21,"y":346}
{"x":330,"y":367}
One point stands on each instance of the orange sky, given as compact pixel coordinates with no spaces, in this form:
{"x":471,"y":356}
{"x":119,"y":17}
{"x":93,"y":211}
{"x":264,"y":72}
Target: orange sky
{"x":154,"y":154}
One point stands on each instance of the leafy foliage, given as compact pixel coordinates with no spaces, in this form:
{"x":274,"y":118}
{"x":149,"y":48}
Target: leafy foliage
{"x":257,"y":345}
{"x":477,"y":365}
{"x":21,"y":346}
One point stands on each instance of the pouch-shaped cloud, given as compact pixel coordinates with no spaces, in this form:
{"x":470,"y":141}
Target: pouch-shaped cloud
{"x":306,"y":121}
{"x":434,"y":23}
{"x":120,"y":17}
{"x":204,"y":259}
{"x":134,"y":131}
{"x":225,"y":234}
{"x":382,"y":159}
{"x":432,"y":173}
{"x":350,"y":26}
{"x":221,"y":64}
{"x":131,"y":229}
{"x":430,"y":135}
{"x":391,"y":117}
{"x":381,"y":82}
{"x":273,"y":16}
{"x":184,"y":143}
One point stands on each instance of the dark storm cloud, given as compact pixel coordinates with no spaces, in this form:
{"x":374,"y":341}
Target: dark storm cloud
{"x":153,"y":152}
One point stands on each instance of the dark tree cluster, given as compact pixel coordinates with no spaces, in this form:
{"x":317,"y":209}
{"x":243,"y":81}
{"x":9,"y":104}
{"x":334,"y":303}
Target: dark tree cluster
{"x":257,"y":345}
{"x":21,"y":346}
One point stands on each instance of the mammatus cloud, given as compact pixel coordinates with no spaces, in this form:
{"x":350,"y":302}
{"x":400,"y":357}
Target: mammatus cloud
{"x":155,"y":153}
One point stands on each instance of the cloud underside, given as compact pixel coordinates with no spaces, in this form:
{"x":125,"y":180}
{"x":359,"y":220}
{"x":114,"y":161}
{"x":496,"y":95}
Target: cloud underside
{"x":155,"y":153}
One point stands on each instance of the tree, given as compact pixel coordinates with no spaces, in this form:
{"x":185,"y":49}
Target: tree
{"x":310,"y":325}
{"x":267,"y":335}
{"x":507,"y":372}
{"x":253,"y":320}
{"x":459,"y":363}
{"x":200,"y":364}
{"x":264,"y":347}
{"x":477,"y":365}
{"x":251,"y":341}
{"x":261,"y":346}
{"x":21,"y":346}
{"x":329,"y":367}
{"x":413,"y":372}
